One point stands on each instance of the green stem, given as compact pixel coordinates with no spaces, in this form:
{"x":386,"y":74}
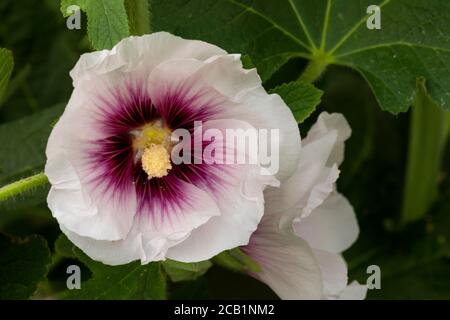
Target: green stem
{"x":20,"y":186}
{"x":316,"y":66}
{"x":426,"y":143}
{"x":138,"y":12}
{"x":236,"y":260}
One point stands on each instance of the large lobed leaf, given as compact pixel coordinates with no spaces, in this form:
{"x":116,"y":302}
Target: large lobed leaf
{"x":414,"y":39}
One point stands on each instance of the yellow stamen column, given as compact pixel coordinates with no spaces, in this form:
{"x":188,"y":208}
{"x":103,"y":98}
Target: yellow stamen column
{"x":156,"y":161}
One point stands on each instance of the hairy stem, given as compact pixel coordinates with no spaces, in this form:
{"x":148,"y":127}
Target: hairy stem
{"x":138,"y":13}
{"x":316,"y":66}
{"x":20,"y":186}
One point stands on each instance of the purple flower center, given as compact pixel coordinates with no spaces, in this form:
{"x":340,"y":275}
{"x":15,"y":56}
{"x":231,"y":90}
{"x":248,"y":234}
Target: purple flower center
{"x":133,"y":156}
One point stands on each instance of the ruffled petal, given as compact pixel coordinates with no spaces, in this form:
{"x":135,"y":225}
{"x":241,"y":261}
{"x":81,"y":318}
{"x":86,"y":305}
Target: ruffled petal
{"x":143,"y":52}
{"x":239,"y":197}
{"x":288,"y":264}
{"x":152,"y":233}
{"x":317,"y":171}
{"x":331,"y":227}
{"x":262,"y":110}
{"x":334,"y":272}
{"x":331,"y":122}
{"x":77,"y":207}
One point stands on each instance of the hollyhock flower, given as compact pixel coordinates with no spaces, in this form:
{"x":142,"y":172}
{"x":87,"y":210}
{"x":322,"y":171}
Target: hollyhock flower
{"x":116,"y":192}
{"x":307,"y":224}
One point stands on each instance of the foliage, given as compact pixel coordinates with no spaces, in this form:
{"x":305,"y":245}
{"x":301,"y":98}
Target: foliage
{"x":23,"y":263}
{"x":413,"y":40}
{"x":107,"y":20}
{"x":130,"y":281}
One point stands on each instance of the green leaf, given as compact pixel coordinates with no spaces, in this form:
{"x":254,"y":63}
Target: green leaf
{"x":180,"y":271}
{"x":107,"y":20}
{"x":247,"y":62}
{"x":65,"y":4}
{"x":130,"y":281}
{"x":6,"y":67}
{"x":301,"y":97}
{"x":414,"y":39}
{"x":23,"y":264}
{"x":138,"y":16}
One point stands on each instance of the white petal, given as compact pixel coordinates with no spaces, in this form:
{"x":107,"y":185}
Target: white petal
{"x":226,"y":74}
{"x":325,"y":124}
{"x":303,"y":192}
{"x":254,"y":105}
{"x":109,"y":252}
{"x":246,"y":100}
{"x":269,"y":112}
{"x":330,"y":227}
{"x":354,"y":291}
{"x":317,"y":171}
{"x":149,"y":239}
{"x":195,"y":208}
{"x":76,"y":207}
{"x":334,"y":272}
{"x":241,"y":204}
{"x":288,"y":264}
{"x":143,"y":52}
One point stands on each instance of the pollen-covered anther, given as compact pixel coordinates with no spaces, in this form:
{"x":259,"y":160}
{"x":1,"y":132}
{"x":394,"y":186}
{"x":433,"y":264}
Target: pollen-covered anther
{"x":156,"y":161}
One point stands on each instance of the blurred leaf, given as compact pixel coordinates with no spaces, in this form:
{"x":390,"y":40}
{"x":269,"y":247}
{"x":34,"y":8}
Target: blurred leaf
{"x":6,"y":67}
{"x":15,"y":83}
{"x":129,"y":281}
{"x":180,"y":271}
{"x":302,"y":98}
{"x":107,"y":20}
{"x":414,"y":264}
{"x":420,"y":271}
{"x":44,"y":52}
{"x":23,"y":142}
{"x":23,"y":264}
{"x":22,"y":152}
{"x":190,"y":290}
{"x":414,"y":39}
